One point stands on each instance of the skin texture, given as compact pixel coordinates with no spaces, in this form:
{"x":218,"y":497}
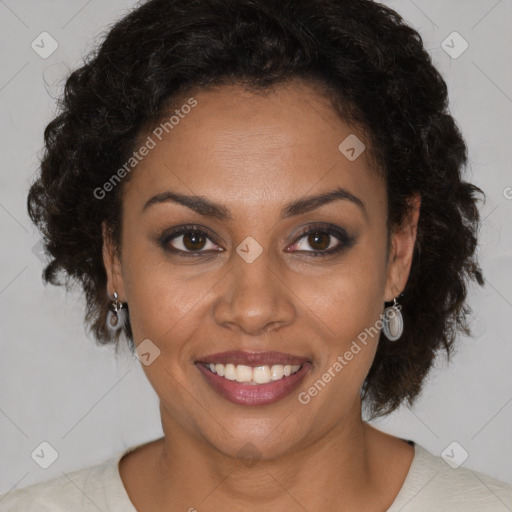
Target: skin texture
{"x":254,"y":154}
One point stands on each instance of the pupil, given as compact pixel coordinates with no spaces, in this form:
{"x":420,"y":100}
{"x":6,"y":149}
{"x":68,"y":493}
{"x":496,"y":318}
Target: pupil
{"x":192,"y":240}
{"x":315,"y":240}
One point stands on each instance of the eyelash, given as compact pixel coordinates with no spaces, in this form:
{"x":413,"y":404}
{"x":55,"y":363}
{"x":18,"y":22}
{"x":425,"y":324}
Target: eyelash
{"x":345,"y":240}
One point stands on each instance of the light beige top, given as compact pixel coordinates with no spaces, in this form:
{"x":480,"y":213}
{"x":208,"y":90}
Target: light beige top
{"x":431,"y":485}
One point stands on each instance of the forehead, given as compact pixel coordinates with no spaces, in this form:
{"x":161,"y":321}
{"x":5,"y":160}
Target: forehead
{"x":254,"y":148}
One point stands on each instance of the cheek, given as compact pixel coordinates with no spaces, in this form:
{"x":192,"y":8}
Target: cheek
{"x":349,"y":313}
{"x":348,"y":301}
{"x":161,"y":300}
{"x":148,"y":288}
{"x":348,"y":297}
{"x":168,"y":301}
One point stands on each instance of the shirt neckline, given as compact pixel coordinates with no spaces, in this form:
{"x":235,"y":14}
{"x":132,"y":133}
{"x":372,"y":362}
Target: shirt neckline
{"x":119,"y":501}
{"x":420,"y":473}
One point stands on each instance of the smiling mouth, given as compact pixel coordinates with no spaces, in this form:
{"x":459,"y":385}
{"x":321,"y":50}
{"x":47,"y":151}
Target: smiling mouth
{"x":251,"y":392}
{"x":253,"y":375}
{"x":253,"y":378}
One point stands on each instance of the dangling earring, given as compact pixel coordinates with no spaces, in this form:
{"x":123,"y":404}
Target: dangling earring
{"x":116,"y":315}
{"x":393,"y":322}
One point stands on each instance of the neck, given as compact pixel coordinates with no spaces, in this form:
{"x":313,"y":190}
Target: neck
{"x":333,"y":471}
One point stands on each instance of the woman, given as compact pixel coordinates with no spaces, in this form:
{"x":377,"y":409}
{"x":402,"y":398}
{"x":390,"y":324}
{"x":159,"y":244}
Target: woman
{"x":265,"y":199}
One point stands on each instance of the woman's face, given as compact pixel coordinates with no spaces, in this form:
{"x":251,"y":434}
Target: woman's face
{"x":254,"y":282}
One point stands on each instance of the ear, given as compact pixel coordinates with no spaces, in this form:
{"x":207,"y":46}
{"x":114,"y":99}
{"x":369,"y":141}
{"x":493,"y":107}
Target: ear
{"x":402,"y":249}
{"x":112,"y":265}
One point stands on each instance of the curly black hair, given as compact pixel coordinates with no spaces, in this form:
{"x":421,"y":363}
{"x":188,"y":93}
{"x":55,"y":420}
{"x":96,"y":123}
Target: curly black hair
{"x":376,"y":72}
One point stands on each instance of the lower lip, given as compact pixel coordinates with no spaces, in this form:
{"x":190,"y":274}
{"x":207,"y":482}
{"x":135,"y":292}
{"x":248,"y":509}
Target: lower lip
{"x":249,"y":394}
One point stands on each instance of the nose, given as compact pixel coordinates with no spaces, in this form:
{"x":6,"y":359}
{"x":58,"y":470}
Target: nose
{"x":254,"y":298}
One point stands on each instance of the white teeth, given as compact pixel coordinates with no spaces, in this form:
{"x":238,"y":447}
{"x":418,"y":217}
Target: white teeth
{"x":230,"y":372}
{"x":261,"y":374}
{"x":243,"y":373}
{"x":219,"y":368}
{"x":277,"y":372}
{"x":257,"y":375}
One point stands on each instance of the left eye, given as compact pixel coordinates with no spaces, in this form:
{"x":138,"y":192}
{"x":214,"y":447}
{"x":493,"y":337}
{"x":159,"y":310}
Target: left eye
{"x":322,"y":240}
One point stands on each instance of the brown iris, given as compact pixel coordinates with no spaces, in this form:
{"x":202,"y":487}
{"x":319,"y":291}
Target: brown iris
{"x":194,"y":241}
{"x":319,"y":241}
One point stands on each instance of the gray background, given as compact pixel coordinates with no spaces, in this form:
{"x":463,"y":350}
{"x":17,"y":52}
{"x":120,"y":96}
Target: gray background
{"x":58,"y":387}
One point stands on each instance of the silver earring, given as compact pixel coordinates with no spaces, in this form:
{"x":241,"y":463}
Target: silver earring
{"x":116,"y":315}
{"x":393,"y":322}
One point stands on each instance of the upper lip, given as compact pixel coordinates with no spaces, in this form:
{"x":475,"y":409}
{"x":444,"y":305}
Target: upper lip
{"x":252,"y":358}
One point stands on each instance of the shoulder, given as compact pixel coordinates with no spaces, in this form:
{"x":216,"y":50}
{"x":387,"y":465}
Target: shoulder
{"x":432,"y":484}
{"x":92,"y":488}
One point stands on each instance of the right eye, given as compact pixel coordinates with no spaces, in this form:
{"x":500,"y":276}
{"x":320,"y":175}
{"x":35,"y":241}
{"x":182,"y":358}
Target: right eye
{"x":188,"y":240}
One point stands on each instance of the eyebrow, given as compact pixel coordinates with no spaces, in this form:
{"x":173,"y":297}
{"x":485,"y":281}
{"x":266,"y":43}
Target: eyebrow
{"x":208,"y":208}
